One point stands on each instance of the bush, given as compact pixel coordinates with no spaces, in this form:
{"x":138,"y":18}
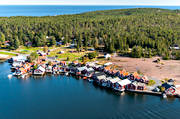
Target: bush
{"x":68,"y":59}
{"x":137,"y":52}
{"x":50,"y":63}
{"x":33,"y":56}
{"x":35,"y":67}
{"x":92,"y":55}
{"x":162,"y":89}
{"x":151,"y":82}
{"x":166,"y":56}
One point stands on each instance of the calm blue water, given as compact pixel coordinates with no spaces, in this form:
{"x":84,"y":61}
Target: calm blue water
{"x":68,"y":98}
{"x":40,"y":10}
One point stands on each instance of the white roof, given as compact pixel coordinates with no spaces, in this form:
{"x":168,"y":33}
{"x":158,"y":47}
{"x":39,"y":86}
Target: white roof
{"x":107,"y":55}
{"x":49,"y":67}
{"x":81,"y":68}
{"x":114,"y":80}
{"x":176,"y":48}
{"x":90,"y":69}
{"x":97,"y":66}
{"x":16,"y":63}
{"x":117,"y":78}
{"x":109,"y":78}
{"x":91,"y":64}
{"x":41,"y":68}
{"x":101,"y":77}
{"x":20,"y":58}
{"x":124,"y":82}
{"x":107,"y":64}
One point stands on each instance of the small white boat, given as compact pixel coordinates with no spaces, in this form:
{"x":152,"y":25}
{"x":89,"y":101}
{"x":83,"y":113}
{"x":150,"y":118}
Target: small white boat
{"x":90,"y":80}
{"x":164,"y":95}
{"x":23,"y":76}
{"x":66,"y":73}
{"x":10,"y":76}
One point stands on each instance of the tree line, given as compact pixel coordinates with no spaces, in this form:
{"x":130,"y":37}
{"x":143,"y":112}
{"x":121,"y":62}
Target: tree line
{"x":150,"y":29}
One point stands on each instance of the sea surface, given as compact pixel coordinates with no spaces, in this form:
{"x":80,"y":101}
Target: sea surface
{"x":61,"y":97}
{"x":52,"y":10}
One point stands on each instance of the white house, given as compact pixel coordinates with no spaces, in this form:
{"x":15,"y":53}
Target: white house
{"x":106,"y":56}
{"x":175,"y":47}
{"x":20,"y":58}
{"x":39,"y":71}
{"x":121,"y":85}
{"x":108,"y":63}
{"x":111,"y":83}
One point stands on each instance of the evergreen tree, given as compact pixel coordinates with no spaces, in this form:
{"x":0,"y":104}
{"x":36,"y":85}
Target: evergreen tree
{"x":137,"y":52}
{"x":53,"y":41}
{"x":16,"y":43}
{"x":2,"y":39}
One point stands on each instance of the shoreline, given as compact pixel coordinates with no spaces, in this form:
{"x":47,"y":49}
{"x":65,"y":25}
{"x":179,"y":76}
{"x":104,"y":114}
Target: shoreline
{"x":5,"y":57}
{"x":77,"y":69}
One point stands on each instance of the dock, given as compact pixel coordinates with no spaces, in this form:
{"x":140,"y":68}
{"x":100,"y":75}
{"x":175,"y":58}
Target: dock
{"x":145,"y":92}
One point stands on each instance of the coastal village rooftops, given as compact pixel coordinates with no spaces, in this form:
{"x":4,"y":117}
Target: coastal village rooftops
{"x":101,"y":77}
{"x":114,"y":80}
{"x":135,"y":83}
{"x":117,"y":78}
{"x":91,"y":64}
{"x":98,"y":66}
{"x":90,"y":69}
{"x":108,"y":63}
{"x":107,"y":56}
{"x":135,"y":74}
{"x":51,"y":58}
{"x":175,"y":47}
{"x":99,"y":73}
{"x":21,"y":58}
{"x":124,"y":82}
{"x":81,"y":68}
{"x":75,"y":62}
{"x":107,"y":68}
{"x":41,"y":68}
{"x":17,"y":63}
{"x":109,"y":78}
{"x":167,"y":86}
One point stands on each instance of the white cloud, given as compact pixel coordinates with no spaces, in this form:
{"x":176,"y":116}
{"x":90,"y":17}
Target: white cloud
{"x":90,"y":2}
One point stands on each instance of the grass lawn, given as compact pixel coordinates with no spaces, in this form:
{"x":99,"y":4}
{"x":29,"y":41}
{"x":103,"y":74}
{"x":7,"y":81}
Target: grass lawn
{"x":6,"y":53}
{"x":72,"y":56}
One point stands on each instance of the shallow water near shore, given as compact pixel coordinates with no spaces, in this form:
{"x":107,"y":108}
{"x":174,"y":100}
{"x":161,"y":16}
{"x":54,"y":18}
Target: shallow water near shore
{"x":61,"y":97}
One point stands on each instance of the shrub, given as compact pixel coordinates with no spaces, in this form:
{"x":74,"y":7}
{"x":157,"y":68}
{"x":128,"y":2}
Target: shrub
{"x":68,"y":59}
{"x":33,"y":56}
{"x":162,"y":89}
{"x":151,"y":82}
{"x":92,"y":55}
{"x":137,"y":52}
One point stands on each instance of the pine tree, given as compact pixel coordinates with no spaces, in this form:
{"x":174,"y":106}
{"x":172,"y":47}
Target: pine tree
{"x":16,"y":43}
{"x":2,"y":39}
{"x":53,"y":41}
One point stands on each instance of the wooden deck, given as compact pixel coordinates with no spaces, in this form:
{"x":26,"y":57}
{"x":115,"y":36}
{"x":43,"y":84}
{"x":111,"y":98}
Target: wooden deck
{"x":145,"y":92}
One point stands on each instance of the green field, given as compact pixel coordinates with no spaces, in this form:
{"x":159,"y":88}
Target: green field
{"x":7,"y":53}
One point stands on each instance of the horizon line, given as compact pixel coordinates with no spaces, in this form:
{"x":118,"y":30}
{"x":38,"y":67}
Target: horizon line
{"x":86,"y":5}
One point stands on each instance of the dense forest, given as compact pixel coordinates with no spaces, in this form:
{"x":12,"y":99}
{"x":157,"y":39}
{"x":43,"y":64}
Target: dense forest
{"x":147,"y":31}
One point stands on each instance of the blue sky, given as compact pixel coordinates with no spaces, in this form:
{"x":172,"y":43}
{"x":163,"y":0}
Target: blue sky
{"x":90,"y":2}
